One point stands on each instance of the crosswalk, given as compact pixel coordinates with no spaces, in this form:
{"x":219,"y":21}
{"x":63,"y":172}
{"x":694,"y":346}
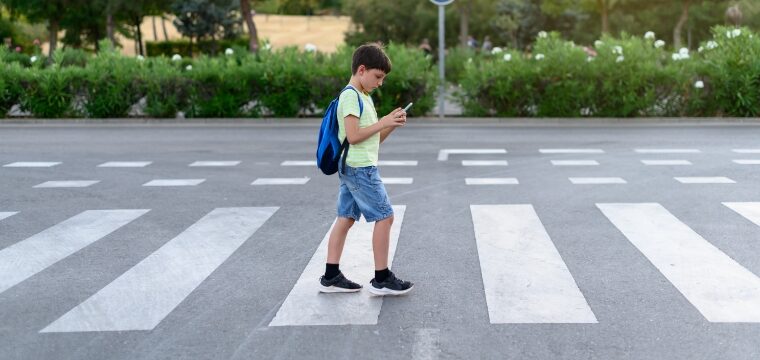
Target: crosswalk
{"x":525,"y":279}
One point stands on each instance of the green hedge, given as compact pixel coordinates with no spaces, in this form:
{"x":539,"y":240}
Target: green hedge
{"x":286,"y":83}
{"x":629,"y":76}
{"x":182,"y":47}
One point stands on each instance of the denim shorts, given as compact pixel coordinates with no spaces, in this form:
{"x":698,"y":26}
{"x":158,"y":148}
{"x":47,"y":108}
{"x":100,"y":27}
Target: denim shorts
{"x":362,"y":193}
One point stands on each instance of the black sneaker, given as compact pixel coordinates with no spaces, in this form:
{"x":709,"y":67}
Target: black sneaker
{"x":391,"y":286}
{"x":338,"y":284}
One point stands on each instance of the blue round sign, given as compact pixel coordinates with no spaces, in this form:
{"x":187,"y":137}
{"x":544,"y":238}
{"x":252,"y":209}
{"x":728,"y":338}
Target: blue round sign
{"x":441,"y":2}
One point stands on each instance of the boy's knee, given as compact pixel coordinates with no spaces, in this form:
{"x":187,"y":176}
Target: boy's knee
{"x":388,"y":220}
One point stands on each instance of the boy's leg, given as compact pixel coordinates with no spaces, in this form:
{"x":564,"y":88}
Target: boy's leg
{"x":381,"y":242}
{"x":338,"y":239}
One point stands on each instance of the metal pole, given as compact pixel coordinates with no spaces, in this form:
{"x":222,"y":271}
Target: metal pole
{"x":441,"y":61}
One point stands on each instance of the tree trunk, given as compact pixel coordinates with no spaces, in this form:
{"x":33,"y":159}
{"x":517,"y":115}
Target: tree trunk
{"x":140,"y":50}
{"x":604,"y":10}
{"x":163,"y":25}
{"x":53,"y":28}
{"x":253,"y":35}
{"x":110,"y":27}
{"x":464,"y":23}
{"x":155,"y":31}
{"x":681,"y":21}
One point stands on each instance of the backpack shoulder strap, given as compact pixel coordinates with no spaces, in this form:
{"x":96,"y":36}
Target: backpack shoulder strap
{"x":345,"y":141}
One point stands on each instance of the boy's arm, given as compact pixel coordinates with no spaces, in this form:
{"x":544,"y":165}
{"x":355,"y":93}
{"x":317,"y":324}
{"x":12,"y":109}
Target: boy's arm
{"x":355,"y":134}
{"x":385,"y":132}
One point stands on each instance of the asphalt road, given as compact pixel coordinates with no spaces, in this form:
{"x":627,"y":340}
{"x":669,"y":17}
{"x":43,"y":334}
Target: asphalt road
{"x":640,"y":263}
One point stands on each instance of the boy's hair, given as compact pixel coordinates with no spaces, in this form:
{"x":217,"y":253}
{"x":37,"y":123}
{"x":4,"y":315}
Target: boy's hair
{"x":372,"y":56}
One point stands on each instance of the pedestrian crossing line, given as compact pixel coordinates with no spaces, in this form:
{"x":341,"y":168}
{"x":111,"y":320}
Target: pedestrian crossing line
{"x":32,"y":164}
{"x":379,"y":163}
{"x":298,"y":163}
{"x":7,"y":214}
{"x":67,"y":184}
{"x":398,"y":181}
{"x":750,"y":210}
{"x":665,"y":162}
{"x":525,"y":278}
{"x":596,"y":180}
{"x":214,"y":163}
{"x":747,"y":161}
{"x":174,"y":182}
{"x":280,"y":181}
{"x":443,"y":154}
{"x":719,"y":288}
{"x":306,"y":306}
{"x":575,"y":162}
{"x":571,"y":151}
{"x":484,"y":163}
{"x":705,"y":180}
{"x":746,"y":151}
{"x":667,"y":151}
{"x":125,"y":164}
{"x":143,"y":296}
{"x":22,"y":260}
{"x":491,"y":181}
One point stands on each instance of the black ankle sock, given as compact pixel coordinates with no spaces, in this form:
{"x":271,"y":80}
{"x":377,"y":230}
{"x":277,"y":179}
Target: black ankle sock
{"x":381,"y":275}
{"x":331,"y":271}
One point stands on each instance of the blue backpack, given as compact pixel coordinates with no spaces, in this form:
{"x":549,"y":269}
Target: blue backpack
{"x":329,"y":148}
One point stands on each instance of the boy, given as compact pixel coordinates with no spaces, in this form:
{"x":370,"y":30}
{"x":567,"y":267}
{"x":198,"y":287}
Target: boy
{"x":361,"y":190}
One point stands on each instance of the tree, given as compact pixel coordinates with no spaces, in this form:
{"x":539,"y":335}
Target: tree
{"x":51,"y":11}
{"x":198,"y":19}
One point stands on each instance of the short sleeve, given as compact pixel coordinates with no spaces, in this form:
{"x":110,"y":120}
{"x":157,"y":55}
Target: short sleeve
{"x":348,"y":104}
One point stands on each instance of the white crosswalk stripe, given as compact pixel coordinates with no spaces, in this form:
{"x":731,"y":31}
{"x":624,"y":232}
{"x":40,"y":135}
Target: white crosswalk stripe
{"x":305,"y":306}
{"x":571,"y":151}
{"x":26,"y":258}
{"x":7,"y":214}
{"x":214,"y":163}
{"x":174,"y":182}
{"x":705,"y":180}
{"x":67,"y":184}
{"x":719,"y":287}
{"x":750,"y":210}
{"x":32,"y":164}
{"x":140,"y":298}
{"x":525,"y":278}
{"x":575,"y":162}
{"x":443,"y":154}
{"x":665,"y":162}
{"x":596,"y":180}
{"x":127,"y":164}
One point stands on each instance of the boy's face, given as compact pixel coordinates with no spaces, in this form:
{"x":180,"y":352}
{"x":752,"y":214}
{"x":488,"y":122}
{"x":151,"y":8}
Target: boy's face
{"x":370,"y":79}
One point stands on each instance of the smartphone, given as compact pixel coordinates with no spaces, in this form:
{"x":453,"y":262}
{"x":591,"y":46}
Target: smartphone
{"x":406,"y":109}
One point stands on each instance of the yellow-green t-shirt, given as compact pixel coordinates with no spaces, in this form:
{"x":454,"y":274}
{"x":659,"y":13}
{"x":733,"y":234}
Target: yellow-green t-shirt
{"x":365,"y":152}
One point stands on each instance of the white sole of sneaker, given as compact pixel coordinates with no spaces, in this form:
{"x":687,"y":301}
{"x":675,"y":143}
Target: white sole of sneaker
{"x":384,"y":291}
{"x":333,"y":289}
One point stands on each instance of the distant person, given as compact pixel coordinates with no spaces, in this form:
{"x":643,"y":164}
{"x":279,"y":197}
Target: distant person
{"x":425,"y":47}
{"x":471,"y":42}
{"x":487,"y":45}
{"x":361,"y":190}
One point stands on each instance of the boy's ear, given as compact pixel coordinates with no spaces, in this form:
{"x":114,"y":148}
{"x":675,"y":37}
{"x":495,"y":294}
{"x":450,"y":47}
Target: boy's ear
{"x":361,"y":69}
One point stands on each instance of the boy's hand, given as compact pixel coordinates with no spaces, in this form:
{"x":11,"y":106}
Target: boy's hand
{"x":396,"y":118}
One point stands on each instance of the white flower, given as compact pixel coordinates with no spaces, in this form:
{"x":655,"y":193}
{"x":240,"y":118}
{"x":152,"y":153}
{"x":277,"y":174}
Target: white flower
{"x":507,"y":57}
{"x":701,"y":49}
{"x":680,"y":56}
{"x":229,"y":52}
{"x":496,"y":50}
{"x":699,"y":85}
{"x":539,"y":57}
{"x":737,"y":32}
{"x":542,"y":34}
{"x":620,"y":58}
{"x":33,"y":59}
{"x":649,"y":35}
{"x":268,"y":46}
{"x":684,"y":51}
{"x":310,"y":47}
{"x":189,"y":67}
{"x":140,"y":58}
{"x":711,"y":45}
{"x":618,"y":50}
{"x":176,"y":57}
{"x":659,"y":43}
{"x":590,"y":59}
{"x":598,"y":43}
